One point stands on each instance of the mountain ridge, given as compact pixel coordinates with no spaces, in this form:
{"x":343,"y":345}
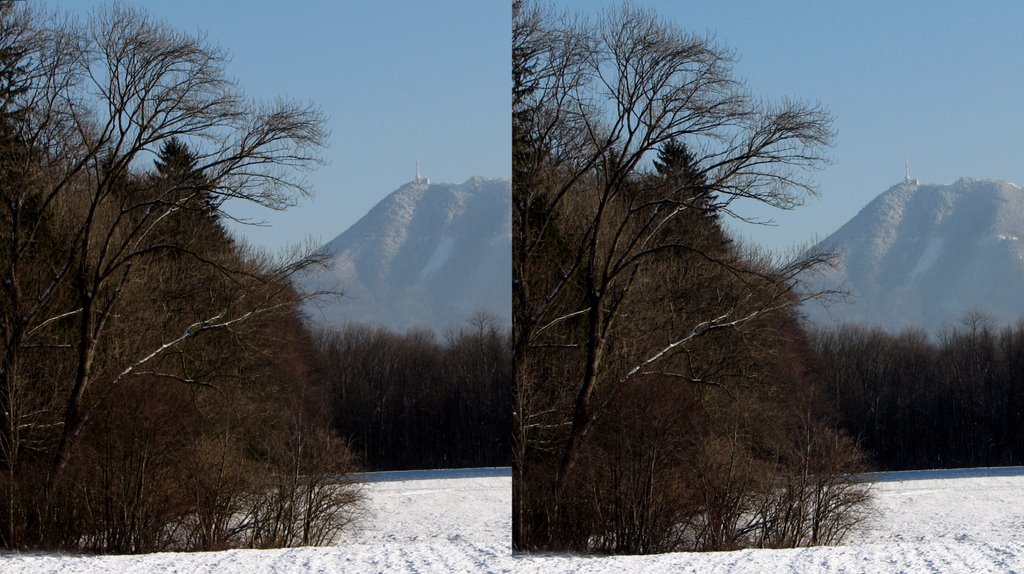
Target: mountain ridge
{"x":923,"y":255}
{"x":429,"y":255}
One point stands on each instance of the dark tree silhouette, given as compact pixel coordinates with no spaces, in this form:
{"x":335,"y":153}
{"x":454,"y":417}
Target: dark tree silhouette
{"x":630,"y":139}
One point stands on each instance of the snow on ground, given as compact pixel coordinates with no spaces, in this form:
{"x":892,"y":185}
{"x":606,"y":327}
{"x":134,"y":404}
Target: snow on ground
{"x":417,"y":521}
{"x":968,"y":520}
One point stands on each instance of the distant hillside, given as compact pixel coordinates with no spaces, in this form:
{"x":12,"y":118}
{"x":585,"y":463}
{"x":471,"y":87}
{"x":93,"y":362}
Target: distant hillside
{"x":428,"y":255}
{"x":924,"y":255}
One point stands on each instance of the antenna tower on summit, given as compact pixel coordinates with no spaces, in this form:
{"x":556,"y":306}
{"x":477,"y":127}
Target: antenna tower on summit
{"x":907,"y":180}
{"x":419,"y":178}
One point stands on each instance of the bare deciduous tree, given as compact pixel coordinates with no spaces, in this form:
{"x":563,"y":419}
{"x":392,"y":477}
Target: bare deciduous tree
{"x":592,"y":104}
{"x":87,"y":106}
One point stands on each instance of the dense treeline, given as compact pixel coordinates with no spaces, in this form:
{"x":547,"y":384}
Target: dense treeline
{"x":915,"y":402}
{"x":409,"y":400}
{"x":662,"y":397}
{"x":156,"y":383}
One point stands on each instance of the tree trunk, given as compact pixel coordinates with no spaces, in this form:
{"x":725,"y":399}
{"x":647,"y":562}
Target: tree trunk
{"x":582,"y":415}
{"x":73,"y":409}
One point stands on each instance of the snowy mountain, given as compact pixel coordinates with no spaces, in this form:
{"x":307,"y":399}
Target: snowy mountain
{"x":428,"y":255}
{"x":924,"y":255}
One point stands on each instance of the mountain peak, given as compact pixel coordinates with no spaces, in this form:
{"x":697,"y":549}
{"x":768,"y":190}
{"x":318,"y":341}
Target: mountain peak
{"x":922,"y":255}
{"x":428,"y":255}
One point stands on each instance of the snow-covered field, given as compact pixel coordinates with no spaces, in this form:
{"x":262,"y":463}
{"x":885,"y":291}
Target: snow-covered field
{"x":459,"y":521}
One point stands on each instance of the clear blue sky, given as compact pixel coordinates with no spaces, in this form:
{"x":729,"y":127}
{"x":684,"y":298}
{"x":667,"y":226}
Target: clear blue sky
{"x":396,"y":78}
{"x":939,"y":81}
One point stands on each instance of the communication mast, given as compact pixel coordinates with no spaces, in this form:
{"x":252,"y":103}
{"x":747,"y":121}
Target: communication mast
{"x":906,"y":178}
{"x":420,"y":178}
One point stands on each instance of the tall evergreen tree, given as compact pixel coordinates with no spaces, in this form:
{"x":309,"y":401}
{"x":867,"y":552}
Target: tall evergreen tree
{"x":679,"y":167}
{"x":177,"y":165}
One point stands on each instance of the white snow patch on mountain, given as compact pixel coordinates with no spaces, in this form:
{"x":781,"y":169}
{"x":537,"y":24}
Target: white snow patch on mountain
{"x":931,"y":254}
{"x":438,"y":258}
